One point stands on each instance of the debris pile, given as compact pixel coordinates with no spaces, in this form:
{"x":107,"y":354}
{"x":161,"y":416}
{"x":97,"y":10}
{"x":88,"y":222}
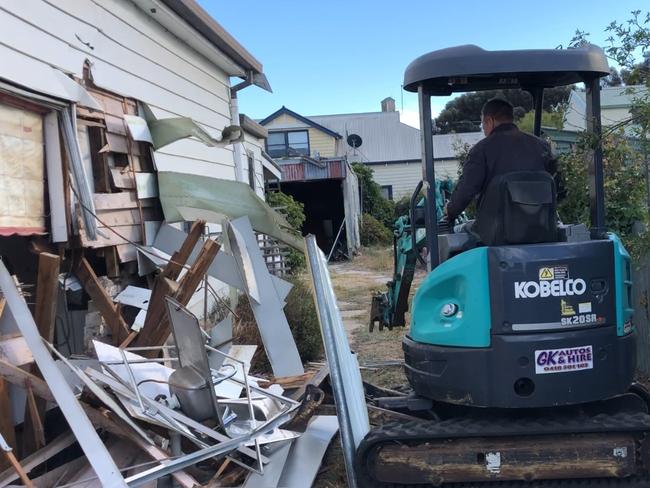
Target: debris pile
{"x":158,"y":392}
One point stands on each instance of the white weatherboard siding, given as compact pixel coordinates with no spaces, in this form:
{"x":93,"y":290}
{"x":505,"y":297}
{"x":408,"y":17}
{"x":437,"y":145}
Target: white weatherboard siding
{"x":404,"y":177}
{"x":133,"y":55}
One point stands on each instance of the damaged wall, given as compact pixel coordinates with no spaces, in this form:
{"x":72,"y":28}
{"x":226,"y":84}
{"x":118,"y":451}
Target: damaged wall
{"x":132,"y":55}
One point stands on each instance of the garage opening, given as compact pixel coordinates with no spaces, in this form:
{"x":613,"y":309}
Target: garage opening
{"x":324,"y":210}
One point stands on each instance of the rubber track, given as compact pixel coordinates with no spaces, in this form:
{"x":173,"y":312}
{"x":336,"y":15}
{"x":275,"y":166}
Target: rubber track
{"x":422,"y":431}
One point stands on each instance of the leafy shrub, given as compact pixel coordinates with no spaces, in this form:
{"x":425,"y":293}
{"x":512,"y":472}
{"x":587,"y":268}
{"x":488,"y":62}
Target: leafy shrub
{"x":374,"y":232}
{"x":372,"y":201}
{"x":294,"y":211}
{"x":303,"y":321}
{"x":625,"y":187}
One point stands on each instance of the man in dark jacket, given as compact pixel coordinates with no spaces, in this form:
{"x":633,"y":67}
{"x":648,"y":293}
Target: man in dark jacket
{"x":503,"y":150}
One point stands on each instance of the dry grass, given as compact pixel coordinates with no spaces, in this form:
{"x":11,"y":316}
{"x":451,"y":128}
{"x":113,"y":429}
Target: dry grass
{"x":378,"y":259}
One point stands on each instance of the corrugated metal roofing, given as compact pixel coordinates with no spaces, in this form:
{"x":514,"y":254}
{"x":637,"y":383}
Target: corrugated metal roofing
{"x":385,"y":138}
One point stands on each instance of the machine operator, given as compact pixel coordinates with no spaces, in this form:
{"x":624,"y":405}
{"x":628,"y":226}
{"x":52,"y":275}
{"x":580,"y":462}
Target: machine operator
{"x":503,"y":150}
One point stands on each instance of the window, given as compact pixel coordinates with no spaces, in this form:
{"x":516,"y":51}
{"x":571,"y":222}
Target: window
{"x":288,"y":143}
{"x":387,"y":192}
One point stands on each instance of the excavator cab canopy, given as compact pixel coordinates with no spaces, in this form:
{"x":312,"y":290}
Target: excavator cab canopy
{"x":470,"y":68}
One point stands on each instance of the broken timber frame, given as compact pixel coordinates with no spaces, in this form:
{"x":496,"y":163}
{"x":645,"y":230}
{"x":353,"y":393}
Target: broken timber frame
{"x":47,"y":288}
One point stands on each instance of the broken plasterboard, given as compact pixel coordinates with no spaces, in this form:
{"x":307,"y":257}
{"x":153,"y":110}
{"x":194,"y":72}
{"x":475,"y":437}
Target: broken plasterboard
{"x":213,"y":197}
{"x":135,"y":297}
{"x":274,"y":329}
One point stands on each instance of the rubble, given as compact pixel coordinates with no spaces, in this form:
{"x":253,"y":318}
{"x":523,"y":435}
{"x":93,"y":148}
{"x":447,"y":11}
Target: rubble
{"x":167,"y":395}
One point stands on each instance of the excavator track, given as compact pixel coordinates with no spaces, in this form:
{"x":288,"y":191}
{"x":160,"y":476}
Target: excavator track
{"x":605,"y":450}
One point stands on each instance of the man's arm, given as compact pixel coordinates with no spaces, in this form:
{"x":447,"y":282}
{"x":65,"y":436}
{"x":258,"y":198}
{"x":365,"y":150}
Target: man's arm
{"x":469,"y":184}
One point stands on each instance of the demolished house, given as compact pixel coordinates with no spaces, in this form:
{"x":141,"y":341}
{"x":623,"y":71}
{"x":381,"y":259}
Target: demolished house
{"x":131,"y":209}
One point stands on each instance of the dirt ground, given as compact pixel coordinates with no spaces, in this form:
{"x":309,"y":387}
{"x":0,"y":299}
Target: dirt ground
{"x":354,"y":283}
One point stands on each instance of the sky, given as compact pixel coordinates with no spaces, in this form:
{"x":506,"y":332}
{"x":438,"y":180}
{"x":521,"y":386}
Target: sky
{"x":334,"y":56}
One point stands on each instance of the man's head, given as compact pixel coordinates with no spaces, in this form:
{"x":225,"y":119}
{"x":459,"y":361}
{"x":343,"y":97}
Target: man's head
{"x":494,"y":113}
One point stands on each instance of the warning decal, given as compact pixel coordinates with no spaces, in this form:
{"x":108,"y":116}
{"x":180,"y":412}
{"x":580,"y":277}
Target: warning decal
{"x":564,"y":360}
{"x":546,"y":274}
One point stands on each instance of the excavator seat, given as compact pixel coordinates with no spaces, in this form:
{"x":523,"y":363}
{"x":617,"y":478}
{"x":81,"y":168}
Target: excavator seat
{"x":517,"y":208}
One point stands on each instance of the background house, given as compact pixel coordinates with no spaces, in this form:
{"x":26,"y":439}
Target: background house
{"x":393,"y":149}
{"x":615,"y":102}
{"x":316,"y":173}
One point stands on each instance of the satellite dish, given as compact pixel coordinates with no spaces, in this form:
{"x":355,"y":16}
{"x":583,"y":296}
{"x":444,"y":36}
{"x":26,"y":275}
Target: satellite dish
{"x":354,"y":140}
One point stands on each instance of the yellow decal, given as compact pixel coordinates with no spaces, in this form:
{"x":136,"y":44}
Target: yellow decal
{"x":546,"y":274}
{"x":566,"y":308}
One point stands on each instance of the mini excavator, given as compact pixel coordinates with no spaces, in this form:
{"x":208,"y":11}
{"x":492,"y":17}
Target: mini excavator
{"x":521,"y":342}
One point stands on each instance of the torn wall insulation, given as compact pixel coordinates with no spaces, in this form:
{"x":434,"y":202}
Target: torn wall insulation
{"x":166,"y":131}
{"x":92,"y":445}
{"x":22,"y":186}
{"x":215,"y":199}
{"x":84,"y":193}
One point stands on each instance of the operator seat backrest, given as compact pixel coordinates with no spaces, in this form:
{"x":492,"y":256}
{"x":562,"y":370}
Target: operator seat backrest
{"x":518,"y":208}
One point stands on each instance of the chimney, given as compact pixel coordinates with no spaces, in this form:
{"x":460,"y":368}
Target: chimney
{"x":388,"y":105}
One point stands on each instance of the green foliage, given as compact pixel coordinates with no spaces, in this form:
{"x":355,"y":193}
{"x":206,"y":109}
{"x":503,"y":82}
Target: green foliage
{"x":554,"y":119}
{"x":402,"y":206}
{"x":625,"y":189}
{"x":374,"y":232}
{"x":372,"y":201}
{"x":463,"y":113}
{"x":303,"y":322}
{"x":629,"y":46}
{"x":294,"y":211}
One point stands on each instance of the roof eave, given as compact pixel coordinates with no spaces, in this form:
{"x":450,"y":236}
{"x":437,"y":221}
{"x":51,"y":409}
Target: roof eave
{"x":192,"y":13}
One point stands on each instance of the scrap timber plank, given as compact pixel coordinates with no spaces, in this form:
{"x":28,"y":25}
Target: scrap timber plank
{"x":90,"y":442}
{"x":163,"y":287}
{"x":103,"y":302}
{"x":47,"y":289}
{"x":155,"y":334}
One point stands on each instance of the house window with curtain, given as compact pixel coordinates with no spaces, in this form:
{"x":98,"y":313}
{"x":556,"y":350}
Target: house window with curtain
{"x":288,"y":143}
{"x":22,"y":185}
{"x":387,"y":192}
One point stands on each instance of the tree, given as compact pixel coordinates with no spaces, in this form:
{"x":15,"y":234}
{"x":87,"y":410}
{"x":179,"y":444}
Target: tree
{"x":463,"y":113}
{"x":614,"y":78}
{"x":554,"y":119}
{"x":625,"y":191}
{"x":372,"y":201}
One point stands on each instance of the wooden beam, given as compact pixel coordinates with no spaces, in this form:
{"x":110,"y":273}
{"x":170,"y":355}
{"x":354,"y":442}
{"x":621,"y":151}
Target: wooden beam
{"x":11,"y":457}
{"x":47,"y":289}
{"x":102,"y":300}
{"x":186,"y":288}
{"x":180,"y":257}
{"x":19,"y":377}
{"x":35,"y":419}
{"x":162,"y":287}
{"x":30,"y":462}
{"x":6,"y":419}
{"x":112,"y":262}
